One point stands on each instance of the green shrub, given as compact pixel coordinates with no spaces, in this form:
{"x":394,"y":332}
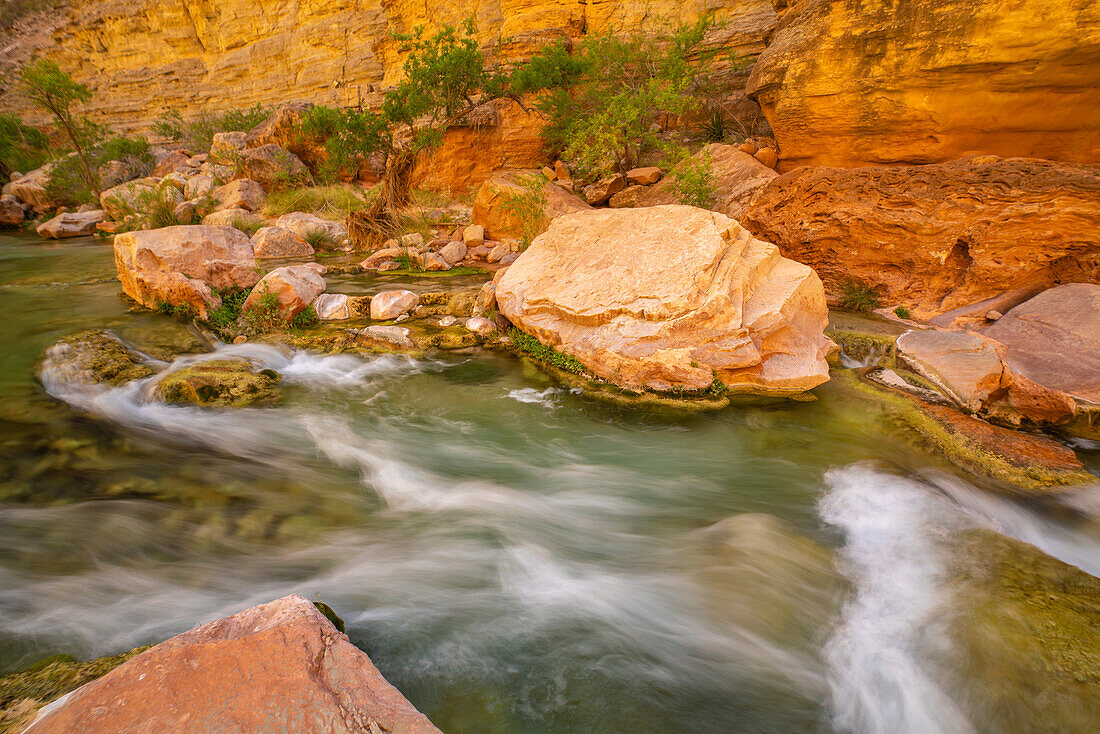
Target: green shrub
{"x":304,"y":319}
{"x":263,"y":316}
{"x":158,"y":209}
{"x":857,"y":295}
{"x":529,"y":206}
{"x":68,"y":184}
{"x":902,"y":312}
{"x":329,"y":202}
{"x":545,"y":354}
{"x":223,"y":318}
{"x":197,"y":135}
{"x":180,"y":312}
{"x":22,"y":147}
{"x":319,"y":239}
{"x":694,"y":181}
{"x":713,"y":129}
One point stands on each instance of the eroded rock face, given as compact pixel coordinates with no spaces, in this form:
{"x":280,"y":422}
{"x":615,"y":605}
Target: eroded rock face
{"x":178,"y":265}
{"x":924,"y":81}
{"x":1054,"y":339}
{"x":280,"y":666}
{"x":499,"y":221}
{"x":71,"y":224}
{"x":270,"y":242}
{"x":736,"y":175}
{"x":938,"y":237}
{"x":296,"y":287}
{"x":670,"y":297}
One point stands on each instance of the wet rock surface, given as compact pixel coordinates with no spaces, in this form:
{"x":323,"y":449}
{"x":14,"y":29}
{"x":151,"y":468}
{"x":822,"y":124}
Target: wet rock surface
{"x":221,"y":383}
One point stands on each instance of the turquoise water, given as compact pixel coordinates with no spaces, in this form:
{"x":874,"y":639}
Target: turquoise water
{"x":514,"y":557}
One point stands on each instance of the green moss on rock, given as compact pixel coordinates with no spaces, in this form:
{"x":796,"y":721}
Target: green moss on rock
{"x":101,"y":355}
{"x":219,"y":383}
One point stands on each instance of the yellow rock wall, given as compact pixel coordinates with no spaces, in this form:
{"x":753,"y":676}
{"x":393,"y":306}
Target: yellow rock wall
{"x":866,"y":82}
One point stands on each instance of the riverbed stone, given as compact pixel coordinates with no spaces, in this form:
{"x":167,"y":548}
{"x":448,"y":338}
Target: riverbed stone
{"x":390,"y":336}
{"x":670,"y":298}
{"x":295,"y":286}
{"x":95,"y":356}
{"x":222,"y":383}
{"x":391,"y":304}
{"x":178,"y":265}
{"x":332,"y":307}
{"x":273,"y":167}
{"x":71,"y":224}
{"x":280,"y":666}
{"x":273,"y":242}
{"x":453,"y":252}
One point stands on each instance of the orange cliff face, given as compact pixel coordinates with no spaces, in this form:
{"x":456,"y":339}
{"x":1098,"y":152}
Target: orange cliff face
{"x":143,"y":58}
{"x":925,"y":81}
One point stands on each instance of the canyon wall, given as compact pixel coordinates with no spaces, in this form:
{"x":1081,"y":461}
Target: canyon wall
{"x":870,"y":82}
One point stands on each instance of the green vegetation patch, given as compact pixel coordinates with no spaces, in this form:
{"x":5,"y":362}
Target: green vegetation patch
{"x":545,"y":354}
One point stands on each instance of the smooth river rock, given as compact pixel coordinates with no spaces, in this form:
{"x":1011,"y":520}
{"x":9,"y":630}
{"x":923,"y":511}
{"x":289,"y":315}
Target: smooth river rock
{"x":71,"y":224}
{"x":295,"y":286}
{"x":925,"y":81}
{"x":178,"y":265}
{"x":1054,"y":339}
{"x":276,"y":667}
{"x":935,"y":238}
{"x":668,"y":298}
{"x":391,"y":304}
{"x":302,"y":223}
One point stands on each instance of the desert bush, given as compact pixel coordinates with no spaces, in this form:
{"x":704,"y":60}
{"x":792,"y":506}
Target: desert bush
{"x":197,"y":134}
{"x":22,"y":147}
{"x":694,"y":181}
{"x":68,"y":182}
{"x":319,"y":239}
{"x":858,"y":295}
{"x":528,"y":206}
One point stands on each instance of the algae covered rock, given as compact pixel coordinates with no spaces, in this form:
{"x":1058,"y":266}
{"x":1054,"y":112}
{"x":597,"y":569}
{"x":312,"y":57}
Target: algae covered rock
{"x":1027,"y":631}
{"x":223,"y":383}
{"x":96,"y":356}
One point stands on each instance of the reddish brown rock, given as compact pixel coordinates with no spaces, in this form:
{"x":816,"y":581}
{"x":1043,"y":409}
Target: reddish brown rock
{"x":941,"y":236}
{"x":1054,"y":339}
{"x":272,"y":242}
{"x":598,"y":193}
{"x":736,"y":175}
{"x":767,"y":156}
{"x":500,"y":221}
{"x":646,"y":176}
{"x":273,"y":167}
{"x":177,"y":265}
{"x":296,"y":287}
{"x":280,"y":666}
{"x":926,"y":81}
{"x":240,"y":194}
{"x":670,"y":297}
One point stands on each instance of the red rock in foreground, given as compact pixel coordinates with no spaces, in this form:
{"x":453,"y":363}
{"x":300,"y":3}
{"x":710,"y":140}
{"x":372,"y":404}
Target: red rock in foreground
{"x":276,"y":667}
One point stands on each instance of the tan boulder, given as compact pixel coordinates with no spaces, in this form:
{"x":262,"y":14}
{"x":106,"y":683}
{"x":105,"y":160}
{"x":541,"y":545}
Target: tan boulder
{"x":11,"y":211}
{"x":646,"y":176}
{"x":31,"y":189}
{"x":926,"y":81}
{"x":71,"y":224}
{"x":198,"y":186}
{"x":669,"y":298}
{"x":296,"y":287}
{"x":737,"y":176}
{"x":301,"y":223}
{"x":1054,"y":339}
{"x":240,"y":194}
{"x":941,"y":236}
{"x":240,"y":218}
{"x":453,"y":252}
{"x":173,"y":162}
{"x":598,"y":193}
{"x":270,"y":242}
{"x":273,"y":167}
{"x":391,"y":304}
{"x":500,"y":221}
{"x":431,"y":261}
{"x":970,"y":369}
{"x":176,"y":265}
{"x":474,"y":235}
{"x":225,"y":148}
{"x":627,"y":198}
{"x":127,"y":198}
{"x":380,"y":256}
{"x":280,"y":666}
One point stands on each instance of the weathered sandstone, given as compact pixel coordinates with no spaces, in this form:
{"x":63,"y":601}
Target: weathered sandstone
{"x":295,"y":286}
{"x":925,"y":81}
{"x":271,"y":242}
{"x":71,"y":224}
{"x":178,"y":265}
{"x":491,"y":210}
{"x":941,"y":236}
{"x":736,"y":175}
{"x":670,"y":297}
{"x":280,"y":666}
{"x":240,"y":194}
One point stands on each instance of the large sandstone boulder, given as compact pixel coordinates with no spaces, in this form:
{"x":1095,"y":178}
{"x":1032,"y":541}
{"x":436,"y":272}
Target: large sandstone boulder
{"x":273,"y":167}
{"x":280,"y":666}
{"x":924,"y":81}
{"x":127,"y":198}
{"x":235,"y":217}
{"x":295,"y":287}
{"x":938,"y":237}
{"x":736,"y":175}
{"x":31,"y":189}
{"x":225,"y":148}
{"x":500,"y":219}
{"x":970,"y":369}
{"x":71,"y":224}
{"x":240,"y":194}
{"x":178,"y":265}
{"x":270,"y":242}
{"x":1054,"y":339}
{"x":11,"y":211}
{"x":670,"y":297}
{"x":302,"y":223}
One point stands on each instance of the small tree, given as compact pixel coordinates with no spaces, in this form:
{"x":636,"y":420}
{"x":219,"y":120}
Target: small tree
{"x":49,"y":88}
{"x":445,"y":79}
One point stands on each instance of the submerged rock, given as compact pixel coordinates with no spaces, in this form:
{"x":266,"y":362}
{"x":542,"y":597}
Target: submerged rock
{"x":280,"y":666}
{"x":224,"y":383}
{"x":96,"y":356}
{"x":670,"y":298}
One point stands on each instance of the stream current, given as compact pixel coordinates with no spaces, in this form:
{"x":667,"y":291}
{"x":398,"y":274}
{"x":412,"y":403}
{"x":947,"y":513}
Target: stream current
{"x":514,"y":557}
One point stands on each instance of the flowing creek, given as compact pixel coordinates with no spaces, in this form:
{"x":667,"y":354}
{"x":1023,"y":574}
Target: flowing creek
{"x":513,"y":556}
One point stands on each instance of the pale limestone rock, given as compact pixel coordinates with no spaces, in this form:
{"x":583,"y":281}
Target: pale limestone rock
{"x":72,"y":224}
{"x":480,"y":325}
{"x":175,"y":264}
{"x":297,"y":286}
{"x":453,"y":252}
{"x":271,"y":242}
{"x":670,"y":297}
{"x":397,"y":336}
{"x":474,"y":235}
{"x":391,"y":304}
{"x":332,"y":307}
{"x":300,"y":223}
